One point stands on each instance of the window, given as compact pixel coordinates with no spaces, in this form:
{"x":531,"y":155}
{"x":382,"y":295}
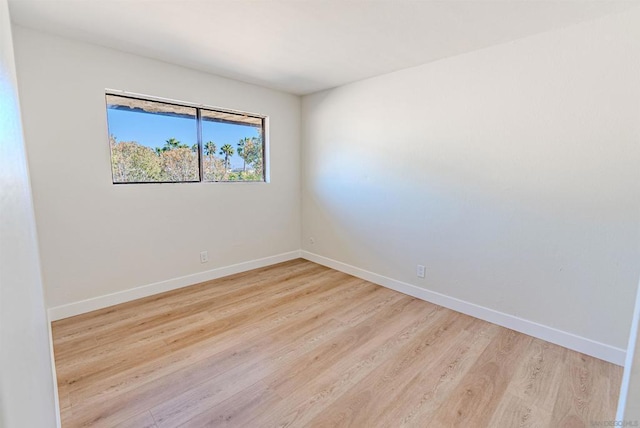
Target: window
{"x":163,"y":142}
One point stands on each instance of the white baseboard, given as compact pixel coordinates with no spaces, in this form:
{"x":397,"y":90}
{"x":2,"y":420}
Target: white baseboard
{"x":550,"y":334}
{"x":568,"y":340}
{"x":84,"y":306}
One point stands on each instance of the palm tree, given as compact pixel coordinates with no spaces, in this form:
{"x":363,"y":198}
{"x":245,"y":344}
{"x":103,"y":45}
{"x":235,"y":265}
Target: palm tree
{"x":242,"y":152}
{"x":171,"y":144}
{"x":227,"y":151}
{"x":210,"y":148}
{"x":211,"y":164}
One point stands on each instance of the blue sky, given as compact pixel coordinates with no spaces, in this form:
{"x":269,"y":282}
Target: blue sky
{"x":153,"y":130}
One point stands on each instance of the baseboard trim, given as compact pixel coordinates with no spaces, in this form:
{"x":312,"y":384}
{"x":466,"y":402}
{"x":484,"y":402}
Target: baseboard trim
{"x":100,"y":302}
{"x":568,"y":340}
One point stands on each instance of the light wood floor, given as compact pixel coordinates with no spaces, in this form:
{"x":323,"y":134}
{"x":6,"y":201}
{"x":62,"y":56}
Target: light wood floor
{"x":298,"y":344}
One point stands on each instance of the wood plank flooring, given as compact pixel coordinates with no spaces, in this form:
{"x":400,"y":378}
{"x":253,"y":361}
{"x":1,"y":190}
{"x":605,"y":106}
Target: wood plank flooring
{"x":301,"y":345}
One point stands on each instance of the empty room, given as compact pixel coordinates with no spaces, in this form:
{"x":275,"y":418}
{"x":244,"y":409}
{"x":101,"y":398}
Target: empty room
{"x":243,"y":213}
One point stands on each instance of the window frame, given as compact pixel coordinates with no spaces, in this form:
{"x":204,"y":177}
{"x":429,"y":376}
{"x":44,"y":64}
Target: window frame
{"x":264,"y":124}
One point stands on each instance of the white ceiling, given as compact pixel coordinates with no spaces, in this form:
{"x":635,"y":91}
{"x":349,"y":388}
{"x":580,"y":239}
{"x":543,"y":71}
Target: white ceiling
{"x":302,"y":46}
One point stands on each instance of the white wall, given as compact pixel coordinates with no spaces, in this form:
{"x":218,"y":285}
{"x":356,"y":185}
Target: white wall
{"x":511,"y":172}
{"x":97,"y":238}
{"x":629,"y":403}
{"x":26,"y":380}
{"x":632,"y":408}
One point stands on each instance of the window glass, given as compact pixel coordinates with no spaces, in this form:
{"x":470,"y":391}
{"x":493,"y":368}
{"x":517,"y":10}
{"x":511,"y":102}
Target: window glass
{"x":162,"y":142}
{"x":232,"y":148}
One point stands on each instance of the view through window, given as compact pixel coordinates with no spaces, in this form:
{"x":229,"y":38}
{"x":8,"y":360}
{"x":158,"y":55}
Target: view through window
{"x":161,"y":142}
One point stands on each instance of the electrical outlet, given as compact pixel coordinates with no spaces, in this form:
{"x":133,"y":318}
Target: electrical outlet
{"x":204,"y":256}
{"x":420,"y":271}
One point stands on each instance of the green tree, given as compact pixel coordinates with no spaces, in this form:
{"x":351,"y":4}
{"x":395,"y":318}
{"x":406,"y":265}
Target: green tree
{"x":250,"y":150}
